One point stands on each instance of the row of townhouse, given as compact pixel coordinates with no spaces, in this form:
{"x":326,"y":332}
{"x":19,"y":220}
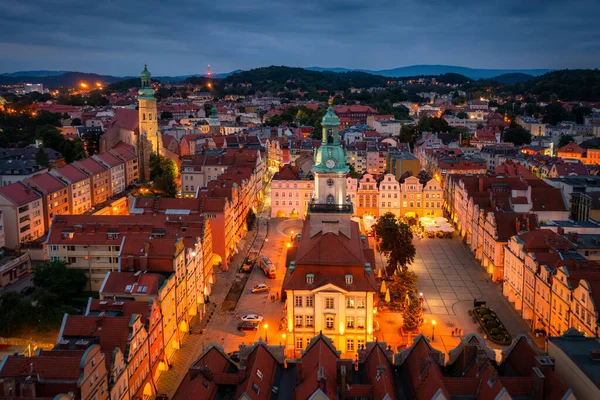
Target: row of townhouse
{"x":489,"y":209}
{"x":550,"y":284}
{"x":290,"y":195}
{"x":200,"y":169}
{"x":167,"y":243}
{"x":419,"y":371}
{"x":29,"y":206}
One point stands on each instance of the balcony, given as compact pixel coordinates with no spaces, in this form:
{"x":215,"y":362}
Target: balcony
{"x":330,"y":208}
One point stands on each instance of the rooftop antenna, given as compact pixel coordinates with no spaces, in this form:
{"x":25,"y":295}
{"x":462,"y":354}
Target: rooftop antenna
{"x":209,"y":73}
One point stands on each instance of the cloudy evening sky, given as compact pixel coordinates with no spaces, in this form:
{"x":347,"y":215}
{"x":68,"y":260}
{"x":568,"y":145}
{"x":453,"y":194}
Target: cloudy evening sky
{"x":179,"y":37}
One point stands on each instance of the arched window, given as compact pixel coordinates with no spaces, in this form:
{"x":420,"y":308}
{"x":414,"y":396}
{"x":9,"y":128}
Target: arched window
{"x":150,"y":117}
{"x":330,"y":199}
{"x":144,"y":117}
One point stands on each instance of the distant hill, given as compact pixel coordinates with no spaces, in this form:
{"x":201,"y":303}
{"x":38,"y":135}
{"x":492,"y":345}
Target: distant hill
{"x":566,"y":85}
{"x":34,"y":73}
{"x":512,"y":78}
{"x":67,"y":79}
{"x":434,"y":70}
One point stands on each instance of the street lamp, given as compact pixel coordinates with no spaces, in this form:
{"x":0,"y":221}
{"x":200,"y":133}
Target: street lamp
{"x":433,"y":330}
{"x":266,"y":333}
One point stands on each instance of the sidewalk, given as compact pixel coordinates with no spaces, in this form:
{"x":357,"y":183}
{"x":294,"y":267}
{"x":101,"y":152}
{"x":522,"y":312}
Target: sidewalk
{"x":192,"y":345}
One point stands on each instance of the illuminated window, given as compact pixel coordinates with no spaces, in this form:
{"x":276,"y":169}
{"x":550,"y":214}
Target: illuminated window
{"x":310,"y":301}
{"x":349,"y":344}
{"x":309,"y":320}
{"x":360,"y":322}
{"x":310,"y":278}
{"x":298,"y":301}
{"x":360,"y":302}
{"x":329,"y":302}
{"x":350,"y":322}
{"x":349,"y":279}
{"x":329,"y":322}
{"x":349,"y":302}
{"x":298,"y":320}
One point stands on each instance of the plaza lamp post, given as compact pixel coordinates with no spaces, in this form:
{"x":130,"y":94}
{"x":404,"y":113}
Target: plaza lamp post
{"x":433,"y":330}
{"x":266,"y":333}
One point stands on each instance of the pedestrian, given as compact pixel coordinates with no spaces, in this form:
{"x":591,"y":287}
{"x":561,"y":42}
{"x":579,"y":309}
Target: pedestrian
{"x":277,"y":295}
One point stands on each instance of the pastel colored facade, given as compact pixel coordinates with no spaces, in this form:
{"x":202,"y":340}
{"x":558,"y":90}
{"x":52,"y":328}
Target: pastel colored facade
{"x":116,"y":335}
{"x":421,"y":200}
{"x":389,"y":195}
{"x":80,"y":196}
{"x":23,"y":214}
{"x":99,"y":179}
{"x":367,"y":196}
{"x":116,"y":169}
{"x":55,"y":374}
{"x":55,"y":195}
{"x":571,"y":151}
{"x":127,"y":154}
{"x":399,"y":163}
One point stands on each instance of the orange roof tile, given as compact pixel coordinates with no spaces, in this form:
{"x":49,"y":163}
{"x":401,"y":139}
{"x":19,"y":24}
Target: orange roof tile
{"x":19,"y":194}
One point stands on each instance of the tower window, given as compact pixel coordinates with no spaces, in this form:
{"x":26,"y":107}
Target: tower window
{"x":330,"y":199}
{"x":144,"y":117}
{"x":150,"y":117}
{"x":330,"y":182}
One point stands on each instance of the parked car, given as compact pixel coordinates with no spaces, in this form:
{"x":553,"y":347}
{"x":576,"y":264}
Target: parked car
{"x":247,"y":326}
{"x":252,"y":318}
{"x":247,"y":267}
{"x":260,"y":288}
{"x":27,"y":290}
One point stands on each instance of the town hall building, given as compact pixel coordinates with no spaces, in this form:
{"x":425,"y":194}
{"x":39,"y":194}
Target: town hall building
{"x":330,"y":280}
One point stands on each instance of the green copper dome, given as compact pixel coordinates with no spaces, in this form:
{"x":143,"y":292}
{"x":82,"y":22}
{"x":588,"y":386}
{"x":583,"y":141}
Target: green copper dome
{"x":146,"y":92}
{"x":330,"y":118}
{"x":145,"y":73}
{"x":330,"y":157}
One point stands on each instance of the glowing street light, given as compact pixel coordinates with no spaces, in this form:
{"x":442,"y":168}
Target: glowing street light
{"x":288,"y":245}
{"x":83,"y":85}
{"x":266,"y":333}
{"x":433,"y":330}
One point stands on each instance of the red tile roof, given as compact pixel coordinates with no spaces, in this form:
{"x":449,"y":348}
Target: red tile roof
{"x":19,"y":194}
{"x":116,"y":283}
{"x":320,"y":355}
{"x":122,"y":308}
{"x":47,"y":183}
{"x":71,"y":173}
{"x":112,"y":332}
{"x":89,"y":165}
{"x":571,"y":148}
{"x":109,"y":159}
{"x":126,"y":119}
{"x":259,"y":360}
{"x":49,"y":367}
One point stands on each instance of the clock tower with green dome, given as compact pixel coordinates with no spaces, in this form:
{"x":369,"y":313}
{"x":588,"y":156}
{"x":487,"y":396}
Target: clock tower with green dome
{"x":330,"y":171}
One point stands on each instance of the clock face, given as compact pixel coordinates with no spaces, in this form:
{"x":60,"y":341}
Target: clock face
{"x":330,"y":163}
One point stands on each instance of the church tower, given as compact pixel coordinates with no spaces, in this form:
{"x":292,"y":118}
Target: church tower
{"x":148,"y":112}
{"x":149,"y":138}
{"x":213,"y":122}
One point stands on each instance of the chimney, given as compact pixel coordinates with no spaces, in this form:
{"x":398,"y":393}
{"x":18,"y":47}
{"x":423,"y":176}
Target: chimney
{"x":322,"y":379}
{"x":538,"y":384}
{"x":527,"y":226}
{"x":517,"y":225}
{"x":573,"y":237}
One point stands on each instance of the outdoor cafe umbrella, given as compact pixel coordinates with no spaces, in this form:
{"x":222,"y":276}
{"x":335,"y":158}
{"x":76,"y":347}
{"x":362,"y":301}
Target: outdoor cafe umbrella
{"x":383,"y":288}
{"x":387,"y":296}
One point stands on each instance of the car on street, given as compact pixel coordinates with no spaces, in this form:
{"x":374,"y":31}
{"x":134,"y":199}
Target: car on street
{"x":27,"y":290}
{"x":267,"y":266}
{"x":252,"y":318}
{"x":247,"y":326}
{"x":260,"y":288}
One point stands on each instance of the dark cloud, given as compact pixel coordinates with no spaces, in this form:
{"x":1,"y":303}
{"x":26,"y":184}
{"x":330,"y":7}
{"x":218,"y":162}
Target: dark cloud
{"x":182,"y":36}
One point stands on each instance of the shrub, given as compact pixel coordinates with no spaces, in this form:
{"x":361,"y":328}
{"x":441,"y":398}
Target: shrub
{"x":483,"y":311}
{"x":491,"y":324}
{"x":495,"y":331}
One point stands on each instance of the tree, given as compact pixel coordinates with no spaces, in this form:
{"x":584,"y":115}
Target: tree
{"x":166,"y":115}
{"x":565,"y":140}
{"x":57,"y":278}
{"x":163,"y":172}
{"x":462,"y":115}
{"x":394,"y":240}
{"x":402,"y":285}
{"x":555,"y":113}
{"x":408,"y":133}
{"x":413,"y":312}
{"x":42,"y":158}
{"x":516,"y":134}
{"x":76,"y":122}
{"x":353,"y":173}
{"x":250,"y":219}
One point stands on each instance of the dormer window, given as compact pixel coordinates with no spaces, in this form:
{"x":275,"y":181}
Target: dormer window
{"x":349,"y":279}
{"x":310,"y":279}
